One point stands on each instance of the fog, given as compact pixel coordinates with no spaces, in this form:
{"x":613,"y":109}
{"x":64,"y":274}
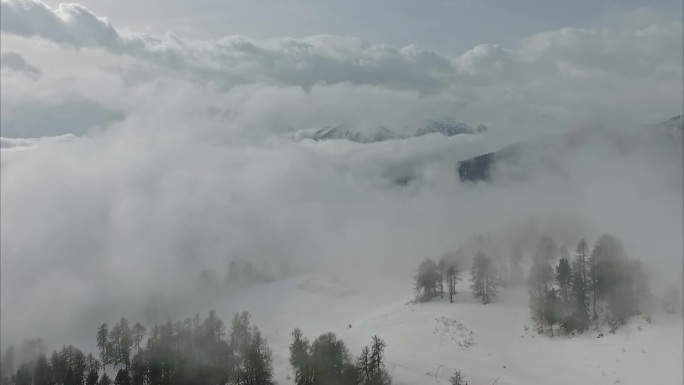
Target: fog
{"x":121,"y":183}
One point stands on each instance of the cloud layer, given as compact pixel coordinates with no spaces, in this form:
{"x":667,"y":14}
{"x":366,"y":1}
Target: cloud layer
{"x":181,"y":161}
{"x":591,"y":66}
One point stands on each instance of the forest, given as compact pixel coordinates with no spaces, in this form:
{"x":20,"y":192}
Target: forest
{"x":196,"y":351}
{"x":567,"y":293}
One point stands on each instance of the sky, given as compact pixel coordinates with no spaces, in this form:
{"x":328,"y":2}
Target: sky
{"x":446,"y":26}
{"x":145,"y":142}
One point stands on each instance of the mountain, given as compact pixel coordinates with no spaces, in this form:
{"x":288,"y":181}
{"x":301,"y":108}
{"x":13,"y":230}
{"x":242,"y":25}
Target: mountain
{"x":355,"y":133}
{"x":448,"y":128}
{"x":544,"y":151}
{"x":370,"y":134}
{"x":675,"y":123}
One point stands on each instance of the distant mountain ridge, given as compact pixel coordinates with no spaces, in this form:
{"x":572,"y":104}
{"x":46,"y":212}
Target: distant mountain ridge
{"x":372,"y":134}
{"x":479,"y":168}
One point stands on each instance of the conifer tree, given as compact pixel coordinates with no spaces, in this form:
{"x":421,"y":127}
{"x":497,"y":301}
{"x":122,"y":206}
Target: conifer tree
{"x":300,"y":359}
{"x":483,"y":278}
{"x":564,"y":280}
{"x":540,"y":279}
{"x":42,"y":374}
{"x":457,"y":378}
{"x":104,"y":379}
{"x":103,"y":345}
{"x":138,"y":334}
{"x":578,"y":318}
{"x":425,"y":280}
{"x":580,"y":262}
{"x":451,"y":273}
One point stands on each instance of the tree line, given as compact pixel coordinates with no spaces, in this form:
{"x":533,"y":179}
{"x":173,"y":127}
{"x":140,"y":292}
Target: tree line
{"x":599,"y":284}
{"x":327,"y":361}
{"x":431,"y":279}
{"x":196,"y":351}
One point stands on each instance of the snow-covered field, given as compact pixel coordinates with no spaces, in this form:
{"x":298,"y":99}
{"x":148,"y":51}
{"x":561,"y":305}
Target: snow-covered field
{"x":488,"y":343}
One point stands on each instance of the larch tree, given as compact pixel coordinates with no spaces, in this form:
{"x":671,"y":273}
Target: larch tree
{"x":564,"y":280}
{"x":580,"y":261}
{"x":300,"y":359}
{"x":425,"y":280}
{"x":138,"y":334}
{"x":449,"y":264}
{"x":457,"y":378}
{"x":541,"y":278}
{"x":483,"y":278}
{"x":103,"y":345}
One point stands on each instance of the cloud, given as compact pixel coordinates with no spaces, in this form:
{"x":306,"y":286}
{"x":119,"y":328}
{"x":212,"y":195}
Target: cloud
{"x":16,"y":62}
{"x":69,"y":24}
{"x":609,"y":57}
{"x":304,"y":62}
{"x":181,"y":163}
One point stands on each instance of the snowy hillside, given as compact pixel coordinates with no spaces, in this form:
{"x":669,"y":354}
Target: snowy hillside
{"x":370,"y":133}
{"x":486,"y":342}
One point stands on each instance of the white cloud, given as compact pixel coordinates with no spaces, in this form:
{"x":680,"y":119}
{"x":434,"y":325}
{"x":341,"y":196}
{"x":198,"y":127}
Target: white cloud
{"x":16,"y":62}
{"x":195,"y":171}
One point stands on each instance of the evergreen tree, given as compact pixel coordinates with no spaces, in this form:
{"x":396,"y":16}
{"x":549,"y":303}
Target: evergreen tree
{"x":300,"y":359}
{"x":92,"y":377}
{"x":103,"y":345}
{"x":138,"y":334}
{"x":580,"y":262}
{"x":104,"y":380}
{"x":330,"y":359}
{"x":42,"y":374}
{"x":138,"y":369}
{"x":451,"y":273}
{"x":122,"y":378}
{"x":24,"y":375}
{"x":457,"y":378}
{"x":552,"y":308}
{"x":363,"y":365}
{"x":250,"y":358}
{"x":371,"y":366}
{"x":564,"y":280}
{"x":426,"y":280}
{"x":7,"y":366}
{"x":440,"y":276}
{"x":483,"y":279}
{"x":578,"y":319}
{"x":540,"y":279}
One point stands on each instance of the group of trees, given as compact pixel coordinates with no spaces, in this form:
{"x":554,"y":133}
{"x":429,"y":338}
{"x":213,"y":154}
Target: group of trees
{"x":193,"y":352}
{"x":190,"y":352}
{"x":432,"y":278}
{"x":598,"y":283}
{"x":601,"y":282}
{"x":483,"y":278}
{"x":327,"y":361}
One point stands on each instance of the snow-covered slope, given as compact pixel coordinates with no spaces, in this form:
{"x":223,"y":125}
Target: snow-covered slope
{"x":355,"y":133}
{"x":360,"y":133}
{"x":426,"y":341}
{"x":448,"y":128}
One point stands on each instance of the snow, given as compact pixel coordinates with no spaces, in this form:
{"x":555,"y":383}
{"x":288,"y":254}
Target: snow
{"x":362,"y":133}
{"x":488,"y":343}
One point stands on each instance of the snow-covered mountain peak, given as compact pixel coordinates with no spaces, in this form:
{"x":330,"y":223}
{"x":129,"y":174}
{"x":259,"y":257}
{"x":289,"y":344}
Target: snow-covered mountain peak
{"x":361,"y":133}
